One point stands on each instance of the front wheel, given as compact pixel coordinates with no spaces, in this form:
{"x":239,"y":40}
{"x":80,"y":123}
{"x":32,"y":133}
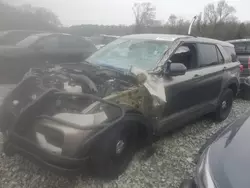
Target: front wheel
{"x":225,"y":105}
{"x":114,"y":153}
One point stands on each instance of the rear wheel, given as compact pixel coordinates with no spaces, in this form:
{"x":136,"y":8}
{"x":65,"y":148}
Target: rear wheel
{"x":114,"y":153}
{"x":225,"y":105}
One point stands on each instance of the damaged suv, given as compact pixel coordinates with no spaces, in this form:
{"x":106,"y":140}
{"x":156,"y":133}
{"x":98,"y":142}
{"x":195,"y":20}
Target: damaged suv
{"x":99,"y":111}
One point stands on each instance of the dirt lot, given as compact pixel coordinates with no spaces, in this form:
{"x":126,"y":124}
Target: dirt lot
{"x":172,"y":161}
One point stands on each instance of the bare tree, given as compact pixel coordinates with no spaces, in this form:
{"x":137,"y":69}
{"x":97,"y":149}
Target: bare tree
{"x":221,"y":12}
{"x":144,"y":15}
{"x":172,"y":20}
{"x":225,"y":12}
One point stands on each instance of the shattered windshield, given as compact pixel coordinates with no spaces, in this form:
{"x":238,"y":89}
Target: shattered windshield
{"x":123,"y":52}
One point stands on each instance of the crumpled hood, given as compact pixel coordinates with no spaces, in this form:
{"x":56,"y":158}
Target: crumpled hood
{"x":153,"y":83}
{"x":229,"y":156}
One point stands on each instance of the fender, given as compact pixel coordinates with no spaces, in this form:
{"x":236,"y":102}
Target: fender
{"x":130,"y":115}
{"x":233,"y":80}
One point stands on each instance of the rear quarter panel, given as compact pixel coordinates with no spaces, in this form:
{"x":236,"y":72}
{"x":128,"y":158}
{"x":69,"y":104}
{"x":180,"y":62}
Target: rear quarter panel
{"x":231,"y":75}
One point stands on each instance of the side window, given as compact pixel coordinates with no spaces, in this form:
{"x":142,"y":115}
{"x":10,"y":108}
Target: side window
{"x":208,"y":55}
{"x":230,"y":52}
{"x":48,"y":42}
{"x":187,"y":55}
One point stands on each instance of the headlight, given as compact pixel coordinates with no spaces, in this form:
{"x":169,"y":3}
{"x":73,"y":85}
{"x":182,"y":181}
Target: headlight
{"x":204,"y":178}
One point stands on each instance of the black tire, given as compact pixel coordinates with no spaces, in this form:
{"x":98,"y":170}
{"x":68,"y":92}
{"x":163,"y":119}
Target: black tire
{"x":225,"y":105}
{"x":107,"y":161}
{"x":188,"y":184}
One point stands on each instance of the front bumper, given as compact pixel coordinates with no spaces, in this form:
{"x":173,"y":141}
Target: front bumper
{"x":55,"y":163}
{"x":13,"y":119}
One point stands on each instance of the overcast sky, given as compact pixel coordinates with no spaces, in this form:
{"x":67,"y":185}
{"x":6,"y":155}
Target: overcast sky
{"x":72,"y":12}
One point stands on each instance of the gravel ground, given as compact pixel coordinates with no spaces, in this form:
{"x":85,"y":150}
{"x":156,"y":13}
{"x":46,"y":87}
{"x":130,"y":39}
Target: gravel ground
{"x":167,"y":167}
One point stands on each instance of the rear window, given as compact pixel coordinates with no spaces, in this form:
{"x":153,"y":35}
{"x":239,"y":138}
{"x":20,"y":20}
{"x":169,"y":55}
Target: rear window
{"x":242,"y":47}
{"x":208,"y":55}
{"x":231,"y":52}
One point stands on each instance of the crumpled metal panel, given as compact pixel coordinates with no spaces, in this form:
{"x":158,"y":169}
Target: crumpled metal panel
{"x":153,"y":83}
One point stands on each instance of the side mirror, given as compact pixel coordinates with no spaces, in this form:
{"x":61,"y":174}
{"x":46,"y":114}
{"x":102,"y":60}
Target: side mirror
{"x":175,"y":69}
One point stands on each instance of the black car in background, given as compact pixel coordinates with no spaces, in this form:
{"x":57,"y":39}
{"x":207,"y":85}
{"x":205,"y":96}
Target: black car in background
{"x":103,"y":40}
{"x":39,"y":50}
{"x":225,"y":163}
{"x":242,"y":48}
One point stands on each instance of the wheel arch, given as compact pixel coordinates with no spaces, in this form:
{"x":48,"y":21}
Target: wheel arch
{"x":142,"y":123}
{"x":233,"y":84}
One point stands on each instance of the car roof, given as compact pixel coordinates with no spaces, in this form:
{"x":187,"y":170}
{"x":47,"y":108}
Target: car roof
{"x":170,"y":37}
{"x":23,"y":31}
{"x":209,"y":40}
{"x":163,"y":37}
{"x":239,"y":40}
{"x":48,"y":34}
{"x":112,"y":36}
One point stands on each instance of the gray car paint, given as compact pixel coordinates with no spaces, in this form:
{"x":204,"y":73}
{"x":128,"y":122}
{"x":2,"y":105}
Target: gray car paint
{"x":212,"y":79}
{"x":176,"y":99}
{"x":229,"y":158}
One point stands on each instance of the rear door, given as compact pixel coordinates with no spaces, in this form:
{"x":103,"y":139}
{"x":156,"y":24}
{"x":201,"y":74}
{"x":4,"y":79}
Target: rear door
{"x":210,"y":72}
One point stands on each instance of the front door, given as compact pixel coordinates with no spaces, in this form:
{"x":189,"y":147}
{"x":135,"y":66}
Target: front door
{"x":180,"y":90}
{"x":190,"y":95}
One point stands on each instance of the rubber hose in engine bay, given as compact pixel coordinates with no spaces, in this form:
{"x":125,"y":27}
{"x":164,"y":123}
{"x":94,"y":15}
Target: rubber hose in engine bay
{"x":84,"y":81}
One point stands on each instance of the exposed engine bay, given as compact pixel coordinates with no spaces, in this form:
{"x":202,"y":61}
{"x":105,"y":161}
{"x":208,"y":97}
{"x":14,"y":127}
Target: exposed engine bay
{"x":91,"y":80}
{"x":58,"y":108}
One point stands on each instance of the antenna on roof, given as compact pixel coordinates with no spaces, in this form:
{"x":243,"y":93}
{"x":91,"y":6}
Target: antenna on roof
{"x":191,"y":25}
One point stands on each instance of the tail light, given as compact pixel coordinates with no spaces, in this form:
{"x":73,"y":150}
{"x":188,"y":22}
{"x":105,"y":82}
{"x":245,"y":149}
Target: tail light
{"x":241,"y":68}
{"x":248,"y":63}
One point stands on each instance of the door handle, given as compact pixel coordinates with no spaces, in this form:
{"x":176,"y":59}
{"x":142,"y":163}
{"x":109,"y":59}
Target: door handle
{"x":196,"y":75}
{"x":224,"y":68}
